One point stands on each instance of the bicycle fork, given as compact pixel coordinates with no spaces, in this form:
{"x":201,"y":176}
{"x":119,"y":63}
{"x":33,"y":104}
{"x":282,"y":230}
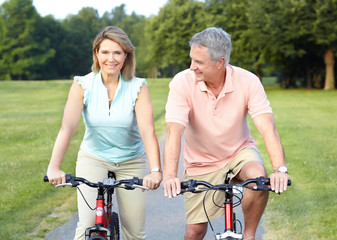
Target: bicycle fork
{"x":230,"y":221}
{"x":230,"y":229}
{"x":101,"y":219}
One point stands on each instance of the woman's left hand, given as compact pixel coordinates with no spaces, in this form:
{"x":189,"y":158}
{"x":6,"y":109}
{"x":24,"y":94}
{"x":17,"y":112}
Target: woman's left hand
{"x":153,"y":180}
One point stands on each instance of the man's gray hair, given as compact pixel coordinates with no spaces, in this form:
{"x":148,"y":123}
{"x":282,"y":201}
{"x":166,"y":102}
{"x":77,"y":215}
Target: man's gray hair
{"x":216,"y":40}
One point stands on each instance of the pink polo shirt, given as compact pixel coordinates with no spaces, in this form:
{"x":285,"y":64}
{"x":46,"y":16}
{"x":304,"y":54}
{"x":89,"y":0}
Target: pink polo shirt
{"x":216,"y":128}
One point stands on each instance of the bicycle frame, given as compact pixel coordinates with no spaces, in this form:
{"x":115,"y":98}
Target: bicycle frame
{"x":230,"y":230}
{"x":103,"y":214}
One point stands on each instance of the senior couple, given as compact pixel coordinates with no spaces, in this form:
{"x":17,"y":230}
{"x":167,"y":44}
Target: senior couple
{"x":207,"y":103}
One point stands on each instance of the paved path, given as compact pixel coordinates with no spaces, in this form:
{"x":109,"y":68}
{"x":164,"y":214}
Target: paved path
{"x":165,"y":218}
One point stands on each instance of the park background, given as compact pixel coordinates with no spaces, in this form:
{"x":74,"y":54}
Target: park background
{"x":289,"y":44}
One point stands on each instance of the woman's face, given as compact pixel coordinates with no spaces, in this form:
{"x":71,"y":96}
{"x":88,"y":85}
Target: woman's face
{"x":111,"y":57}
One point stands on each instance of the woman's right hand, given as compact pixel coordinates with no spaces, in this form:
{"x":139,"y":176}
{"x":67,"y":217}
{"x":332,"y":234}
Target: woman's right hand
{"x":56,"y":176}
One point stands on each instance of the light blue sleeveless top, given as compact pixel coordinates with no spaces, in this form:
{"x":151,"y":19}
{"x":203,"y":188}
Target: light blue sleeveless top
{"x":111,"y":133}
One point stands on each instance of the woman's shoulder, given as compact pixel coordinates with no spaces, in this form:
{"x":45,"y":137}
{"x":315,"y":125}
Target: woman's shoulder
{"x":86,"y":80}
{"x":133,"y":87}
{"x":135,"y":82}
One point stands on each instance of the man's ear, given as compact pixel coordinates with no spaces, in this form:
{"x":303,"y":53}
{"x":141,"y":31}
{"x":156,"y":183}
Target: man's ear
{"x":221,"y":62}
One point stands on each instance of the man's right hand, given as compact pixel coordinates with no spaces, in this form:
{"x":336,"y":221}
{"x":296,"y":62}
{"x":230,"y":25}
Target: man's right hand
{"x":171,"y":186}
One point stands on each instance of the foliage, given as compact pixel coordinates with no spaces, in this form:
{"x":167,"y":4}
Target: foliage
{"x":284,"y":33}
{"x":81,"y":30}
{"x":21,"y":54}
{"x":231,"y":16}
{"x":289,"y":35}
{"x":170,"y":32}
{"x":285,"y":38}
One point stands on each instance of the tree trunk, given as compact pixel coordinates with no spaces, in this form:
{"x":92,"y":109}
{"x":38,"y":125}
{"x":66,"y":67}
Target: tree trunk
{"x":309,"y":79}
{"x":329,"y":65}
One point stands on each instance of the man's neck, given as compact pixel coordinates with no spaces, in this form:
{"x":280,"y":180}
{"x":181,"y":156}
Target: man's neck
{"x":217,"y":85}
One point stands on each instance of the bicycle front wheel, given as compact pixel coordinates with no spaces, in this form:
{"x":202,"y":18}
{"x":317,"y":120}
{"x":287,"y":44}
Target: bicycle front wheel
{"x":114,"y":226}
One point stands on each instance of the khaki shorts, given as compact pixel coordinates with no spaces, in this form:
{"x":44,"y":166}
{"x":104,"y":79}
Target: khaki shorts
{"x":194,"y":201}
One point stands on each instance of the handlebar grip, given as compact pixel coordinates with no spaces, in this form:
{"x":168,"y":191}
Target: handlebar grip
{"x":45,"y":179}
{"x":268,"y":182}
{"x":68,"y":178}
{"x":140,"y":182}
{"x":184,"y":185}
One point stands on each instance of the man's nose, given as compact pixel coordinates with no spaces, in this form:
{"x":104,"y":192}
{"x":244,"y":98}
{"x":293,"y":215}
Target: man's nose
{"x":192,"y":66}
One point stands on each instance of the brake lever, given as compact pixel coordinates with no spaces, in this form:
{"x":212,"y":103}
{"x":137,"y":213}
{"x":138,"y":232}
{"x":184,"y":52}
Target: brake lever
{"x":63,"y":185}
{"x":138,"y":186}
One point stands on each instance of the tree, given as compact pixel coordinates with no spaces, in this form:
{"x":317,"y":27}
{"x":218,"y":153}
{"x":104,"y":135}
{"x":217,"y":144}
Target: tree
{"x":115,"y":16}
{"x":52,"y":32}
{"x":20,"y":53}
{"x":231,"y":15}
{"x":324,"y":32}
{"x":170,"y":31}
{"x":292,"y":35}
{"x":81,"y":30}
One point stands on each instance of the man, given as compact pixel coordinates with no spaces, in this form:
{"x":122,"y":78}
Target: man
{"x":208,"y":104}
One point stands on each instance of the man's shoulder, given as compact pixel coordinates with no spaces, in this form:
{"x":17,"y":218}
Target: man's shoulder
{"x":244,"y":78}
{"x":186,"y":74}
{"x":182,"y":78}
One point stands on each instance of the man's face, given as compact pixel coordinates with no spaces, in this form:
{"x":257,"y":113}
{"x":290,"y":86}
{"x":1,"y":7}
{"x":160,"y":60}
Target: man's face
{"x":201,"y":64}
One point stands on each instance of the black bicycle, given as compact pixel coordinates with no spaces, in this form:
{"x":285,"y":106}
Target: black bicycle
{"x":107,"y":221}
{"x":231,"y":231}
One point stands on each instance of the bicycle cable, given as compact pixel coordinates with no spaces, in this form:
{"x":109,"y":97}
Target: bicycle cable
{"x":85,"y":200}
{"x":239,"y":198}
{"x":203,"y":204}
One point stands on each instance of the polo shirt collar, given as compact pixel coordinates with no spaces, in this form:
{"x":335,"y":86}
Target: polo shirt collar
{"x":228,"y":83}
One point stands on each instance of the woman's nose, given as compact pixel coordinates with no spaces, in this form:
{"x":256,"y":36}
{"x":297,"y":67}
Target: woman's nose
{"x":111,"y":57}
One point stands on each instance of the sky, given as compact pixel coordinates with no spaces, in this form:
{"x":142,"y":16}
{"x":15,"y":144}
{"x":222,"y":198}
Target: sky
{"x":61,"y":8}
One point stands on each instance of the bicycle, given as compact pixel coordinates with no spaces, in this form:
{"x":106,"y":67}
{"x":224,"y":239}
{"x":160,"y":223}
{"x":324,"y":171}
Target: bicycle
{"x":231,"y":190}
{"x":106,"y":221}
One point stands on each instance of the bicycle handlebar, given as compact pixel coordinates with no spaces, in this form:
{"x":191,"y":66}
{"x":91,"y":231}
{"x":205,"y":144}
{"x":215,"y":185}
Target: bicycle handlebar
{"x":261,"y":182}
{"x":128,"y":184}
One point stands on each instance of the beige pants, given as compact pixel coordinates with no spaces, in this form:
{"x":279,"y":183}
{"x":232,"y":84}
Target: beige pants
{"x":131,"y":203}
{"x":194,"y":201}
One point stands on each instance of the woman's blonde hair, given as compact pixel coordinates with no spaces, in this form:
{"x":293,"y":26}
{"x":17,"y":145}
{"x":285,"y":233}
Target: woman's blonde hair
{"x":119,"y":36}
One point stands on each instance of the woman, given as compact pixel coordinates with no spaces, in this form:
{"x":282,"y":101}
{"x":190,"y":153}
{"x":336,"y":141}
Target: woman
{"x":113,"y":103}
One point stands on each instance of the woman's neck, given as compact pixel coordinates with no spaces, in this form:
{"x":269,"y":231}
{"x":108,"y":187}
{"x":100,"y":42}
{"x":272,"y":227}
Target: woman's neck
{"x":110,"y":79}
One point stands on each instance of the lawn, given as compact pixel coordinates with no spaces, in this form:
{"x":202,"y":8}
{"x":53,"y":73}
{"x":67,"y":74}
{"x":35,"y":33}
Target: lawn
{"x":30,"y":117}
{"x":306,"y":120}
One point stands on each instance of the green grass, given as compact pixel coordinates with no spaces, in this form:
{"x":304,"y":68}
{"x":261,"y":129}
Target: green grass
{"x":30,"y":118}
{"x":306,"y":120}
